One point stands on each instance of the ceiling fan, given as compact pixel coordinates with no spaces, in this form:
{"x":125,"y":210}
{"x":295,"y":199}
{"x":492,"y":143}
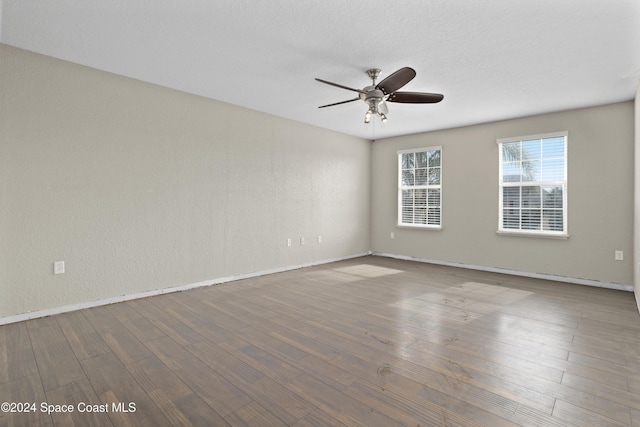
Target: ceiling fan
{"x":376,"y":96}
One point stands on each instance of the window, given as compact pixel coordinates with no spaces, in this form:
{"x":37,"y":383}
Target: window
{"x":420,"y":187}
{"x":533,"y":185}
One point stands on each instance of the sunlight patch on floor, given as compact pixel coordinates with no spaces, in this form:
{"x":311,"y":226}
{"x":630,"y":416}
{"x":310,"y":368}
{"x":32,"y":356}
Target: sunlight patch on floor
{"x":367,"y":270}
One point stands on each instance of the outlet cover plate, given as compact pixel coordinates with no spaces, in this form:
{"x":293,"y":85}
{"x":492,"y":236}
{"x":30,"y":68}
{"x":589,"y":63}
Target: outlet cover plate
{"x":58,"y":267}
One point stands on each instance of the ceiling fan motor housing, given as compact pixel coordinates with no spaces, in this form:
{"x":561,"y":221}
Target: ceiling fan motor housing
{"x":372,"y":96}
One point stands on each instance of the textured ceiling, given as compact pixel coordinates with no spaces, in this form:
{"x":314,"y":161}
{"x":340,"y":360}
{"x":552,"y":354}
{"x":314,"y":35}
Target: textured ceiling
{"x":492,"y":59}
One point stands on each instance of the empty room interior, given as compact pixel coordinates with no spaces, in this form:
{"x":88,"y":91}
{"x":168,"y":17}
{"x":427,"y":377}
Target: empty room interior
{"x":298,"y":213}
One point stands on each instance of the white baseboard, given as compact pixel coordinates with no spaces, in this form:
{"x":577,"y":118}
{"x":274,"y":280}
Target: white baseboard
{"x":586,"y":282}
{"x":72,"y":307}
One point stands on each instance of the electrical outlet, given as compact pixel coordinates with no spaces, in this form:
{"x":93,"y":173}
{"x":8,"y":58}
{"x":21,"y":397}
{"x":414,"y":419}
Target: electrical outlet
{"x":619,"y":255}
{"x":288,"y":242}
{"x":393,"y":235}
{"x":58,"y":267}
{"x":319,"y":239}
{"x":302,"y":241}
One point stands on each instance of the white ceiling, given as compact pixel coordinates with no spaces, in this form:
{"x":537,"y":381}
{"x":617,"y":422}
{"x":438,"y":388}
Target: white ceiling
{"x":492,"y":59}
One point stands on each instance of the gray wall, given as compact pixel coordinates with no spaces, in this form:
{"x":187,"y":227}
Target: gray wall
{"x":636,"y":210}
{"x":600,"y":197}
{"x":139,"y":188}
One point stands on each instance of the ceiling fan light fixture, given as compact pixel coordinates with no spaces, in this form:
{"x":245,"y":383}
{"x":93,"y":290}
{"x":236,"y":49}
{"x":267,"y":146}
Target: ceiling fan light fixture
{"x":377,"y":95}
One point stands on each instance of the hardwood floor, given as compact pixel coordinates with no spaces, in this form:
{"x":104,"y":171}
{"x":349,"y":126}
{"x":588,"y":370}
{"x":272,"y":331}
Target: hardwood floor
{"x":365,"y":342}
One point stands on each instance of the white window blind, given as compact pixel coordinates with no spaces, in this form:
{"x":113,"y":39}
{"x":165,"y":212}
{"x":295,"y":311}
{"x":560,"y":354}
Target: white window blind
{"x":533,"y":185}
{"x":420,"y":187}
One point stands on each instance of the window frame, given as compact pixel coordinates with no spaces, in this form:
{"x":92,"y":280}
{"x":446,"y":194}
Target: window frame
{"x":401,"y":187}
{"x":540,"y":183}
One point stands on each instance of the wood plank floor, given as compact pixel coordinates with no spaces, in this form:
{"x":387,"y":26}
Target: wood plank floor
{"x":366,"y":342}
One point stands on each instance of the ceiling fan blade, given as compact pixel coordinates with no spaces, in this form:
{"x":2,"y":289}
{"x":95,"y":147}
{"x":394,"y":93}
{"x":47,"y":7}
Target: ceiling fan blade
{"x":415,"y":97}
{"x":340,"y":86}
{"x":396,"y":80}
{"x":341,"y":102}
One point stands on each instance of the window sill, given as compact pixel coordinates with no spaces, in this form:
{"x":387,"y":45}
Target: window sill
{"x":420,"y":227}
{"x":532,"y":234}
